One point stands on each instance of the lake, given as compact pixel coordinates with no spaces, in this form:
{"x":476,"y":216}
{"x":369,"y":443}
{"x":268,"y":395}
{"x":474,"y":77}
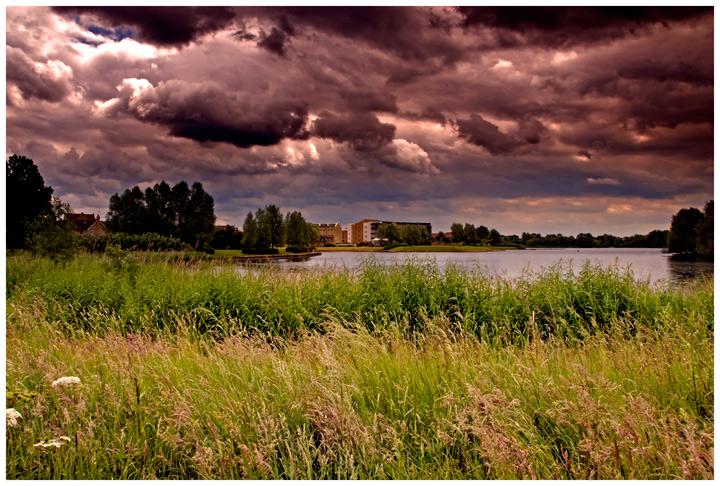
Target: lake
{"x":645,"y":263}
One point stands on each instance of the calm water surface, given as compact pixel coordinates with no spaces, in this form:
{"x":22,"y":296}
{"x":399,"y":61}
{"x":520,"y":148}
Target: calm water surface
{"x":645,"y":263}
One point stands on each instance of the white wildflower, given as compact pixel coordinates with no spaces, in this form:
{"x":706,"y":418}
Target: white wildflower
{"x":59,"y":442}
{"x":66,"y":380}
{"x":11,"y":417}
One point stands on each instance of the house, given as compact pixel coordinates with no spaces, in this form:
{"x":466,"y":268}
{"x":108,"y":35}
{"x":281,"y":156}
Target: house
{"x":87,"y":224}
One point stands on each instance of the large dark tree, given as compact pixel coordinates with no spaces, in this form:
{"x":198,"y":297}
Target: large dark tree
{"x":470,"y":234}
{"x":200,"y":220}
{"x":28,"y":198}
{"x":127,"y":212}
{"x":705,"y":231}
{"x":683,"y":231}
{"x":483,"y":233}
{"x":185,"y":213}
{"x":271,"y":227}
{"x":160,"y":210}
{"x":296,"y":231}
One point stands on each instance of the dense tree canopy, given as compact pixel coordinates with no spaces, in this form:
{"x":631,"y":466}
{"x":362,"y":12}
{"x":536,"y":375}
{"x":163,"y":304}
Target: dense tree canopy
{"x":27,"y":195}
{"x":683,"y":231}
{"x":268,"y":229}
{"x":182,"y":212}
{"x":692,"y":231}
{"x":706,"y":231}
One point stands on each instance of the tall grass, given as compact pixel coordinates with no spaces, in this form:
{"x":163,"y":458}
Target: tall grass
{"x":405,"y":372}
{"x":146,"y":294}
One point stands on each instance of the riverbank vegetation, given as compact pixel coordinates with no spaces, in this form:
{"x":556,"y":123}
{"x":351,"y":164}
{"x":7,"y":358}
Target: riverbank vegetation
{"x":197,"y":370}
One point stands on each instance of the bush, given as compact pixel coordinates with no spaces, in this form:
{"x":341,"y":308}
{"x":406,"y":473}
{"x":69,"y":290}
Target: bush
{"x":124,"y":241}
{"x":57,"y":241}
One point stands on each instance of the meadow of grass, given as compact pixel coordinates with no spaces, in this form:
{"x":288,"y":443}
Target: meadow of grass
{"x":196,"y":370}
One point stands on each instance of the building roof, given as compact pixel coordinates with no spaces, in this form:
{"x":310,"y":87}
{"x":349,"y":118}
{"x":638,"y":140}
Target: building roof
{"x":83,"y":222}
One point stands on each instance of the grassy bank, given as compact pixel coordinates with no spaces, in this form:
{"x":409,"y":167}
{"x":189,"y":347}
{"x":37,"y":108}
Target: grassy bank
{"x":404,"y":372}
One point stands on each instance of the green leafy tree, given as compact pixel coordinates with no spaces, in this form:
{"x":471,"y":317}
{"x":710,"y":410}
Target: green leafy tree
{"x":585,"y":240}
{"x":27,"y":195}
{"x":228,"y":238}
{"x":181,"y":212}
{"x":469,"y":234}
{"x":127,"y":212}
{"x":271,"y":227}
{"x":683,"y":231}
{"x":705,"y":231}
{"x":200,"y":223}
{"x":483,"y":234}
{"x":296,"y":231}
{"x":313,"y":234}
{"x":160,"y":216}
{"x":413,"y":235}
{"x":52,"y":236}
{"x":250,"y":232}
{"x":494,"y":237}
{"x":458,"y":232}
{"x":390,"y":233}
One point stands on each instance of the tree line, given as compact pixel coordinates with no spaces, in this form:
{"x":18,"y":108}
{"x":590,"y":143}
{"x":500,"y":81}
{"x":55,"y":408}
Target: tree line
{"x":268,"y":230}
{"x":184,"y":212}
{"x":409,"y":234}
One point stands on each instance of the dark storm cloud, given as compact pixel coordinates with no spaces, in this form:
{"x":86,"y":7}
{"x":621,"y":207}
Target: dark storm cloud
{"x":205,"y":112}
{"x":481,"y":132}
{"x":568,"y":26}
{"x":39,"y":82}
{"x":369,"y":101}
{"x":274,"y":42}
{"x":413,"y":34}
{"x":358,"y":107}
{"x":363,"y":132}
{"x":165,"y":26}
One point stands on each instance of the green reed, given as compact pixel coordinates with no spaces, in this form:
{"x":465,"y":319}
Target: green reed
{"x":144,"y":293}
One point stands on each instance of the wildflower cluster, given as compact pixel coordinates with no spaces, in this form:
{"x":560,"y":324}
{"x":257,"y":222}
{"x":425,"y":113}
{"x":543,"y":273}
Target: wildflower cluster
{"x":66,"y":380}
{"x":11,"y":417}
{"x":59,"y":442}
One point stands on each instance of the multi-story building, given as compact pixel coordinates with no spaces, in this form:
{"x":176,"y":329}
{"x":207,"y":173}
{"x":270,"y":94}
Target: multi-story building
{"x":362,"y":231}
{"x":330,"y":233}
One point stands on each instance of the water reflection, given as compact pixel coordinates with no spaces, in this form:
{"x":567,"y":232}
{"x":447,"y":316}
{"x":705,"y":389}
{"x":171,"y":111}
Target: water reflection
{"x":645,"y":263}
{"x":682,"y":268}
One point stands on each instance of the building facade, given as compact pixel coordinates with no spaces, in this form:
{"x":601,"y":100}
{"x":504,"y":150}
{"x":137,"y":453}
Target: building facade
{"x":362,"y":231}
{"x":330,"y":233}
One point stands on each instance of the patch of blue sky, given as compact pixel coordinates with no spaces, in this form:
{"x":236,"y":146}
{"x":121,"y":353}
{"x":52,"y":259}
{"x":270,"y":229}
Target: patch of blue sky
{"x":117,"y":34}
{"x":87,"y":41}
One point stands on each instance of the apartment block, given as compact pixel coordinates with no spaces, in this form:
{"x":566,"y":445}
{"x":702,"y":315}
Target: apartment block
{"x":330,"y":233}
{"x":362,"y":231}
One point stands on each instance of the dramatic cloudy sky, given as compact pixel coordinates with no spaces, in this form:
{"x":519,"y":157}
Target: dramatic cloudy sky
{"x":523,"y":119}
